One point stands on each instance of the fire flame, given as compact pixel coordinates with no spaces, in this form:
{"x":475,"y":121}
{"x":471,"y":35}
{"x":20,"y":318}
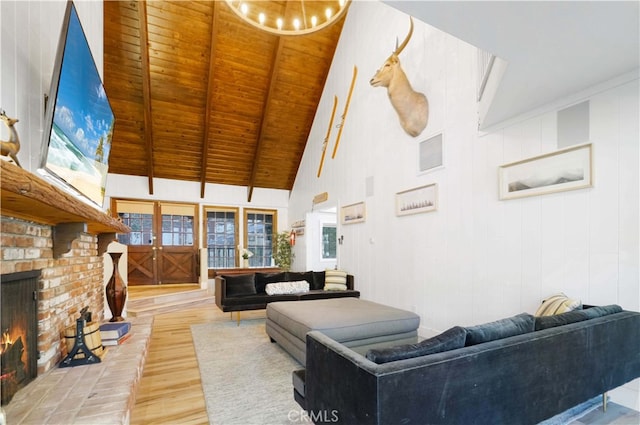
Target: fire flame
{"x":6,"y":341}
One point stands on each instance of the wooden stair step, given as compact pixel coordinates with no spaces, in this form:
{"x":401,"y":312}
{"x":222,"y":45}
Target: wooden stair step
{"x":168,"y":303}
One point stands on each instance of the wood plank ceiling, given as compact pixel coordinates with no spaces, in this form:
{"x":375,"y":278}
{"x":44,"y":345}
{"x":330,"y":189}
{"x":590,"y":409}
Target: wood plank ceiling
{"x":200,"y":95}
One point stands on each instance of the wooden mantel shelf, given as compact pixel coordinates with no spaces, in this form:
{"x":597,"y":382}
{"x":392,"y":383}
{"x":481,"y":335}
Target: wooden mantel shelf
{"x":29,"y":197}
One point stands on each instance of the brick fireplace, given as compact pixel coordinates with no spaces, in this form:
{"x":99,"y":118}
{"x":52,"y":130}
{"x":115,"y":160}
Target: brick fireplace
{"x":66,"y":284}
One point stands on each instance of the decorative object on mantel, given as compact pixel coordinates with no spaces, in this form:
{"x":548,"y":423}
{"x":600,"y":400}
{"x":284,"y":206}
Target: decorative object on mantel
{"x":116,"y":290}
{"x":82,"y":352}
{"x":296,"y":18}
{"x":326,"y":138}
{"x":344,"y":113}
{"x":412,"y":107}
{"x":10,"y":147}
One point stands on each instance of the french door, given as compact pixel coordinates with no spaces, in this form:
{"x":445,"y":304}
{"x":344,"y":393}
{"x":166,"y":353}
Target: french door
{"x":162,"y":246}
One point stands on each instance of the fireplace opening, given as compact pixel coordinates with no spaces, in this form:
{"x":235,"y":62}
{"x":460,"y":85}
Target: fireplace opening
{"x":19,"y":327}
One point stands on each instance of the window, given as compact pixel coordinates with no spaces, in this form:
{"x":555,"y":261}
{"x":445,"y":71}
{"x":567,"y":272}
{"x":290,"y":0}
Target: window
{"x":177,"y":224}
{"x":138,"y":216}
{"x":220,"y":227}
{"x":328,"y":241}
{"x":260,"y":233}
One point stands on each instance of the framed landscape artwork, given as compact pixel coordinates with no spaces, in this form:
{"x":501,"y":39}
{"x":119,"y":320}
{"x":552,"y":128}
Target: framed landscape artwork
{"x":418,"y":200}
{"x":565,"y":169}
{"x":354,"y":213}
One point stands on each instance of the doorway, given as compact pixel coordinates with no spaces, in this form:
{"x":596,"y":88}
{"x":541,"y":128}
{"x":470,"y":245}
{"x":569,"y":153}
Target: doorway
{"x":162,"y":245}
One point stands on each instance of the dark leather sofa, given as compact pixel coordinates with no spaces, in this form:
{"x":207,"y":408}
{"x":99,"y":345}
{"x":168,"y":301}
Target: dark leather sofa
{"x":520,"y":379}
{"x":247,"y":291}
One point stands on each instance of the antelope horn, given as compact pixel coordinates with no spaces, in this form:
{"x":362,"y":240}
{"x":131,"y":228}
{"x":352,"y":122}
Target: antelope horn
{"x":406,"y":40}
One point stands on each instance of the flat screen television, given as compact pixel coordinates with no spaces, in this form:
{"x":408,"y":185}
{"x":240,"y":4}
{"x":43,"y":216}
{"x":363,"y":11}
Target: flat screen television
{"x":79,"y":120}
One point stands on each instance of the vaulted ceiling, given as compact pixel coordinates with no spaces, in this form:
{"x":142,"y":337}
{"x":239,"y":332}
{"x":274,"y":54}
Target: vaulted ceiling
{"x":199,"y":95}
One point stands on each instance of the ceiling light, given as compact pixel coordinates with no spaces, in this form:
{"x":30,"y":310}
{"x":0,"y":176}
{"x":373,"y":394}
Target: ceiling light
{"x":293,"y":17}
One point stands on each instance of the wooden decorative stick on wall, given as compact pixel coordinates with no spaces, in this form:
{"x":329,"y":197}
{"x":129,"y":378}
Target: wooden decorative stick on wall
{"x":346,"y":108}
{"x":326,"y":138}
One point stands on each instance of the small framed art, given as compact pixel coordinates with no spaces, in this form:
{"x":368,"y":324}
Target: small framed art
{"x":418,"y":200}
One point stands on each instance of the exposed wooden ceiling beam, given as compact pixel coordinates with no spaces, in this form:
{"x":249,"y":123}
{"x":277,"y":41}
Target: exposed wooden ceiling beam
{"x":146,"y":88}
{"x":275,"y":60}
{"x":207,"y":109}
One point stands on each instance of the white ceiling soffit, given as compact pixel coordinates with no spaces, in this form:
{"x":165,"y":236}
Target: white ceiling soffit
{"x":553,"y":49}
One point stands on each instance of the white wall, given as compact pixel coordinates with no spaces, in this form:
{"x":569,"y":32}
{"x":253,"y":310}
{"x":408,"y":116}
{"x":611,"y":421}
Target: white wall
{"x":29,"y":33}
{"x":476,"y":259}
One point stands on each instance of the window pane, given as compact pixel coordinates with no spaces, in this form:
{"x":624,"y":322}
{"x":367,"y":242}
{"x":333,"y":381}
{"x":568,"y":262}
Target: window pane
{"x":260,"y":238}
{"x":221,"y":239}
{"x":328,"y":241}
{"x":141,"y":230}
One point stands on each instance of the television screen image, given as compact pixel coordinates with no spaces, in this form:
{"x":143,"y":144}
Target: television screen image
{"x":80,"y":120}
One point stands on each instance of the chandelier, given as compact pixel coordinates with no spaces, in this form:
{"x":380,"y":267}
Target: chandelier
{"x":289,"y":17}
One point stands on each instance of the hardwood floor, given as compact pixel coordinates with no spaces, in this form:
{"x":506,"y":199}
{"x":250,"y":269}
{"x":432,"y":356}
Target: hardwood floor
{"x":170,"y":391}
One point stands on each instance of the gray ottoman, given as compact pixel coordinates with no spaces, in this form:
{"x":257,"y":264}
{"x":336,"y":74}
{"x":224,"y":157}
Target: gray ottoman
{"x":356,"y":323}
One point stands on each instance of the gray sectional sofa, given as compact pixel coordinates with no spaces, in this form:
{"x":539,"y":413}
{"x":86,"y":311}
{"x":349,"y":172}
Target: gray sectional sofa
{"x":519,"y":370}
{"x":247,"y":291}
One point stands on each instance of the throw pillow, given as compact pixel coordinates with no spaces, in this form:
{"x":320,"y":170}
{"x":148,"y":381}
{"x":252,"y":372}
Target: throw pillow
{"x":557,"y":304}
{"x":335,"y":280}
{"x":262,"y":279}
{"x":240,"y":285}
{"x":318,"y":280}
{"x":448,"y":340}
{"x":511,"y":326}
{"x":280,"y":288}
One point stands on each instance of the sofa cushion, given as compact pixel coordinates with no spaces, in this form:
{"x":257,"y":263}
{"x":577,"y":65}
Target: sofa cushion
{"x":557,"y":304}
{"x":262,"y":279}
{"x":297,"y":276}
{"x":335,"y":280}
{"x":321,"y":294}
{"x":545,"y":322}
{"x":293,"y":287}
{"x":240,"y":285}
{"x":604,"y":310}
{"x":510,"y":326}
{"x":448,"y":340}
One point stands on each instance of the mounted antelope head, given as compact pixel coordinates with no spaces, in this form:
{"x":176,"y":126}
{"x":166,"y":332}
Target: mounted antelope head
{"x":412,"y":107}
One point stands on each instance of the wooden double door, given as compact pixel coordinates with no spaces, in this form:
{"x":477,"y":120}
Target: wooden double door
{"x":163,"y":245}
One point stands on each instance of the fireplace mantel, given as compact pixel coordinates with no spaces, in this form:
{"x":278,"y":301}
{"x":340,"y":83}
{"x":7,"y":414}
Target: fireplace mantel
{"x":28,"y":197}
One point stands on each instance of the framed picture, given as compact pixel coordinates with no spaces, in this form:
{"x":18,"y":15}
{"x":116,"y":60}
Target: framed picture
{"x":565,"y":169}
{"x":354,"y":213}
{"x":418,"y":200}
{"x":431,"y":154}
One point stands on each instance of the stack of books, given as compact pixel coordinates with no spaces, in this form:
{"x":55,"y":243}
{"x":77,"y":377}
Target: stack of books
{"x":115,"y":333}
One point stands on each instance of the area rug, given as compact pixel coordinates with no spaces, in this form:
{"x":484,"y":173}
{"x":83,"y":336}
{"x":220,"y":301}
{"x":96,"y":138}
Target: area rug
{"x":246,"y":379}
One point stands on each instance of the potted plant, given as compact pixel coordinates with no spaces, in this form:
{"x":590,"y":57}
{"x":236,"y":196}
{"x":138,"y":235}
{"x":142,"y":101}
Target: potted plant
{"x":283,"y":256}
{"x":245,"y":254}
